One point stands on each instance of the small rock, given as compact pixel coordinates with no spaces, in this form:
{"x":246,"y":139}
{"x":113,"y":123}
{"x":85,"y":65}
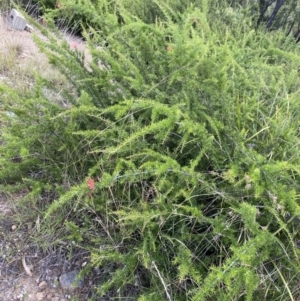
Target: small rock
{"x":13,"y":227}
{"x":68,"y":281}
{"x":16,"y":20}
{"x":49,"y":297}
{"x":28,"y":28}
{"x":43,"y":285}
{"x":40,"y":296}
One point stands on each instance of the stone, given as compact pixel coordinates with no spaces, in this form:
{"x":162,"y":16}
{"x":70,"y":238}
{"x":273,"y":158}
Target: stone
{"x":16,"y":20}
{"x":43,"y":285}
{"x":50,"y":297}
{"x":28,"y":28}
{"x":40,"y":296}
{"x":68,"y":281}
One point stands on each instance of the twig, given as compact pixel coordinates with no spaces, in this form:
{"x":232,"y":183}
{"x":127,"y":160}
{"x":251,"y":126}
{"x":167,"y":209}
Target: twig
{"x":26,"y":268}
{"x":162,"y":281}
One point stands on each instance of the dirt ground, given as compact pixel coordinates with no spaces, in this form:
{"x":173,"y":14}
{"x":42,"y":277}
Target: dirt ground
{"x":30,"y":50}
{"x":25,"y":272}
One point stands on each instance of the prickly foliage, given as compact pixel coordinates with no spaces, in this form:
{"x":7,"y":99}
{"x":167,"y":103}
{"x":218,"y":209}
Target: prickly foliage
{"x":183,"y":146}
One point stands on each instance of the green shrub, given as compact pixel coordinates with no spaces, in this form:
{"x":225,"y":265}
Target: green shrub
{"x":183,"y":147}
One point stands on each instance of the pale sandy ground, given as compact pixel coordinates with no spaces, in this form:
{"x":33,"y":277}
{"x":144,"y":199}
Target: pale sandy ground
{"x":9,"y":36}
{"x":15,"y":284}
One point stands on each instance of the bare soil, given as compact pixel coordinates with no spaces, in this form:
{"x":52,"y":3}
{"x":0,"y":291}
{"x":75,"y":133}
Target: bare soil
{"x":27,"y":272}
{"x":10,"y":36}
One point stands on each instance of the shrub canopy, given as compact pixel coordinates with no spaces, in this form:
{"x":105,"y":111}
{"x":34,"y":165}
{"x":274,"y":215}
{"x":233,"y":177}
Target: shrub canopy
{"x":182,"y":144}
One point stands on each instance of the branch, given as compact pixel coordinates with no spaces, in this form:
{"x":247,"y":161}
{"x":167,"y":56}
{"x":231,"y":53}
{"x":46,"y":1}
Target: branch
{"x":279,"y":3}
